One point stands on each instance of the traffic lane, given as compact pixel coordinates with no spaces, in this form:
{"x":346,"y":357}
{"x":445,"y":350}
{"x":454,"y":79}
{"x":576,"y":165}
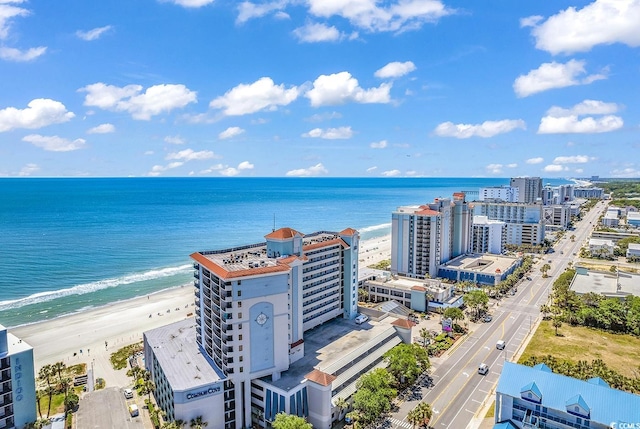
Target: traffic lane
{"x":468,"y":397}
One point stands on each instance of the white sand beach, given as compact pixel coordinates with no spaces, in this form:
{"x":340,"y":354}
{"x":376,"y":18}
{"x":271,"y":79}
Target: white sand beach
{"x":82,"y":337}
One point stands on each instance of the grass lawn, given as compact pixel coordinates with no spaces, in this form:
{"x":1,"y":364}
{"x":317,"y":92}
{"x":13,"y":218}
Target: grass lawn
{"x":619,"y":352}
{"x":492,"y":411}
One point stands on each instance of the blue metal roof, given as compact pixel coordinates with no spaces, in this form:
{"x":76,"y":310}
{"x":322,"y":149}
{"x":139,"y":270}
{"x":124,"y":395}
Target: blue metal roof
{"x":542,"y":367}
{"x":533,"y":388}
{"x":578,"y":400}
{"x":504,"y":425}
{"x":598,"y":381}
{"x":606,"y":404}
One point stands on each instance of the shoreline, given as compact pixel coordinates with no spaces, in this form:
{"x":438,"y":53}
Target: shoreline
{"x":80,"y":337}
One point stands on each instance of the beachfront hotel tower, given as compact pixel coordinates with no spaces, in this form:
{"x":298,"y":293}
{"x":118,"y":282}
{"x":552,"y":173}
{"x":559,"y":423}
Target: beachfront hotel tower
{"x":17,"y":382}
{"x":253,"y":305}
{"x":425,"y":236}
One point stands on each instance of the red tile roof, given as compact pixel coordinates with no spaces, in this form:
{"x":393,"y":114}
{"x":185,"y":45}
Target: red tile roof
{"x":283,"y":234}
{"x":403,"y":323}
{"x":348,"y":231}
{"x":322,"y":378}
{"x":428,"y":212}
{"x":225,"y":274}
{"x":325,"y":244}
{"x":420,"y":288}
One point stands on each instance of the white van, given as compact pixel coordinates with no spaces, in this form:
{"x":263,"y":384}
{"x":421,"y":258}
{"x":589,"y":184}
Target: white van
{"x":483,"y":369}
{"x":361,"y":319}
{"x":500,"y":345}
{"x":133,"y":410}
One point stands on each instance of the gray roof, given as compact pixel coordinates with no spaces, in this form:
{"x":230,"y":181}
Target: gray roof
{"x":179,"y":356}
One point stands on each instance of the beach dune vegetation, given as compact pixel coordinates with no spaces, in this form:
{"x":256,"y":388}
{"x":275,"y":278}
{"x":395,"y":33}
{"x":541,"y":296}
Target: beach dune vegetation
{"x":120,"y":358}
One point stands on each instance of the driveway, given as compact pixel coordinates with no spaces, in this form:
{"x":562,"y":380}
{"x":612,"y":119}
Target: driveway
{"x":108,"y":409}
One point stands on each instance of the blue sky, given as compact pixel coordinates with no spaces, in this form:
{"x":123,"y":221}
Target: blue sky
{"x":391,"y":88}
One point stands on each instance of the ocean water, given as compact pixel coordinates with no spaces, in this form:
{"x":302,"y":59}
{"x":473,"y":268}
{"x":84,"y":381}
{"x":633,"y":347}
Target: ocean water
{"x":67,"y":245}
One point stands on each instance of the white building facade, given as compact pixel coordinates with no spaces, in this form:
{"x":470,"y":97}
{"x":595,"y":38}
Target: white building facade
{"x":529,"y":188}
{"x":489,"y":236}
{"x":525,"y":222}
{"x":17,"y":381}
{"x":502,"y":193}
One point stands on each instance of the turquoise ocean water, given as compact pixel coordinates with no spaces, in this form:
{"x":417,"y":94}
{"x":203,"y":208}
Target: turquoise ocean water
{"x":67,"y":245}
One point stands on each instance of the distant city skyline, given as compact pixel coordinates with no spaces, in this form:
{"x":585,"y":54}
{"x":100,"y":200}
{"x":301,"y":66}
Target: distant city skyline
{"x":394,"y":88}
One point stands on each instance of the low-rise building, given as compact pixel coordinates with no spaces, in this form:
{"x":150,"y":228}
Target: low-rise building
{"x":613,"y":236}
{"x":536,"y":397}
{"x":483,"y":269}
{"x":633,"y":219}
{"x":588,"y":192}
{"x":418,"y":295}
{"x":610,"y":219}
{"x":601,"y":248}
{"x":618,"y":284}
{"x":633,"y":251}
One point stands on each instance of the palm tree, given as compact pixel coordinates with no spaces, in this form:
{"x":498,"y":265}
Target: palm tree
{"x":544,"y":269}
{"x":148,"y":387}
{"x":425,"y":335}
{"x":414,"y":418}
{"x":38,"y":398}
{"x":557,"y":323}
{"x":58,"y":368}
{"x":420,"y":415}
{"x":198,"y":423}
{"x":45,"y":374}
{"x":342,"y":404}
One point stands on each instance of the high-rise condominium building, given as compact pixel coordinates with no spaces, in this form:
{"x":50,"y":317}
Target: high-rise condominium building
{"x":489,"y":236}
{"x":529,"y":188}
{"x":423,"y":237}
{"x":253,"y":305}
{"x":525,"y":222}
{"x":17,"y":381}
{"x":502,"y":193}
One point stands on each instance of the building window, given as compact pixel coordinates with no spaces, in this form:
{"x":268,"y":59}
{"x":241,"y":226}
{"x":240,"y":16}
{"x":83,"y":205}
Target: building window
{"x":239,"y":293}
{"x":240,"y":315}
{"x":241,"y":369}
{"x":239,"y":325}
{"x":239,"y":304}
{"x":241,"y":358}
{"x":240,"y":348}
{"x":240,"y":337}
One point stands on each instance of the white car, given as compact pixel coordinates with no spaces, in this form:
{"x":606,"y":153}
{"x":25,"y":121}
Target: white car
{"x":128,"y":393}
{"x":361,"y":319}
{"x":483,"y":369}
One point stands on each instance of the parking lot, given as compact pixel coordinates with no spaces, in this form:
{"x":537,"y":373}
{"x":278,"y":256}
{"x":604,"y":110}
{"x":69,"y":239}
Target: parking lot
{"x":107,"y":409}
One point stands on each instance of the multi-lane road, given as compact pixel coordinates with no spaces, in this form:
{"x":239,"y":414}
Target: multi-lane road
{"x":458,"y":391}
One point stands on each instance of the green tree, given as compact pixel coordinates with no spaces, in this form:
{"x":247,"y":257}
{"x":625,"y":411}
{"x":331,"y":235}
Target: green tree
{"x":288,"y":421}
{"x":424,"y":412}
{"x":573,"y":237}
{"x":342,"y":404}
{"x":45,"y":374}
{"x":545,"y":269}
{"x":476,"y":299}
{"x":147,"y":387}
{"x":363,"y":295}
{"x":406,"y":362}
{"x":425,"y":336}
{"x":557,"y":323}
{"x":71,"y":401}
{"x":198,"y":423}
{"x":372,"y":399}
{"x":454,"y":313}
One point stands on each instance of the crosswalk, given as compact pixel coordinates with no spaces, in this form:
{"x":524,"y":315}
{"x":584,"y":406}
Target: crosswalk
{"x":400,"y":424}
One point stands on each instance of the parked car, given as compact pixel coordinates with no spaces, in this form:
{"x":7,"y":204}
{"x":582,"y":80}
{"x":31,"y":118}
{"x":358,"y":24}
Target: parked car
{"x":487,"y":318}
{"x":128,"y":393}
{"x":361,"y":318}
{"x":483,"y":369}
{"x":528,"y":278}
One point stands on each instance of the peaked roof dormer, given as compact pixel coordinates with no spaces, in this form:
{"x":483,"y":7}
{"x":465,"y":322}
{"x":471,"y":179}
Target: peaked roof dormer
{"x":598,"y":382}
{"x":542,"y":367}
{"x":577,"y":406}
{"x":531,"y":392}
{"x":283,"y":234}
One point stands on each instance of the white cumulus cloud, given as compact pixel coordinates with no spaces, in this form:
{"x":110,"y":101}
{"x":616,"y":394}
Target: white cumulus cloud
{"x":561,"y":120}
{"x":39,"y":113}
{"x":375,"y":16}
{"x":330,"y":133}
{"x":340,"y":88}
{"x":554,"y":75}
{"x":391,"y":173}
{"x":190,"y":3}
{"x":262,"y":94}
{"x":602,"y":22}
{"x":93,"y":34}
{"x":245,"y":165}
{"x":317,"y":32}
{"x":54,"y":143}
{"x":156,"y":170}
{"x":575,"y":159}
{"x":248,"y":10}
{"x":379,"y":145}
{"x":28,"y":170}
{"x":395,"y":69}
{"x":174,"y":140}
{"x":554,"y":168}
{"x":141,"y":105}
{"x":102,"y":129}
{"x":316,"y":170}
{"x":7,"y":13}
{"x":485,"y":129}
{"x":230,"y":132}
{"x":494,"y":168}
{"x":13,"y":54}
{"x":537,"y":160}
{"x":191,"y":155}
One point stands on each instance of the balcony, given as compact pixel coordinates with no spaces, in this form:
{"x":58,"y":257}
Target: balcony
{"x":196,"y":266}
{"x":226,"y":327}
{"x":196,"y":284}
{"x":5,"y":375}
{"x":196,"y":274}
{"x":198,"y":293}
